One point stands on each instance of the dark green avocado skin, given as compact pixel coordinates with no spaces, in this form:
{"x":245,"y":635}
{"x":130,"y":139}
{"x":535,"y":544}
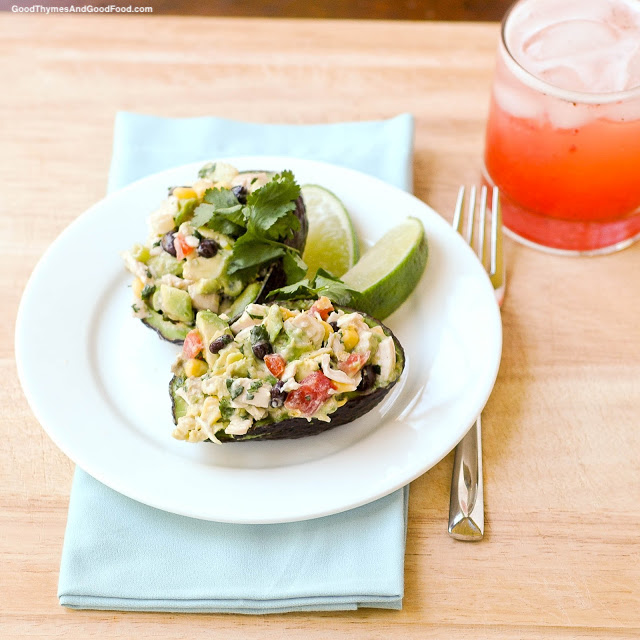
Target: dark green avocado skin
{"x":166,"y":329}
{"x":301,"y":428}
{"x":358,"y":404}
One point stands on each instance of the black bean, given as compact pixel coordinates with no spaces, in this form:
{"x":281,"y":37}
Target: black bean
{"x":334,"y":326}
{"x":261,"y":349}
{"x":240,"y":193}
{"x":208,"y":248}
{"x":220,"y":343}
{"x":278,"y":396}
{"x":368,"y":378}
{"x":167,"y":243}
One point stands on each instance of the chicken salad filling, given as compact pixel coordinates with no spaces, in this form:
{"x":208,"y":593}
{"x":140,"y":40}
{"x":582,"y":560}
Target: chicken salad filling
{"x":276,"y":362}
{"x":212,"y":246}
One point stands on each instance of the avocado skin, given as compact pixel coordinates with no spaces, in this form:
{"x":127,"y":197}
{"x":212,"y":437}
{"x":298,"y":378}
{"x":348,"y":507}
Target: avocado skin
{"x":301,"y":428}
{"x":357,"y":405}
{"x":276,"y":276}
{"x":299,"y":239}
{"x":170,"y":331}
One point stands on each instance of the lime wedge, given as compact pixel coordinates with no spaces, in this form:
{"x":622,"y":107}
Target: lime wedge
{"x":332,"y":243}
{"x":387,"y":274}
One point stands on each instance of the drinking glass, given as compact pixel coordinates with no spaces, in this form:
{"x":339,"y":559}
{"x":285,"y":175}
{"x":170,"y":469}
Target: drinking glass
{"x":563,"y":133}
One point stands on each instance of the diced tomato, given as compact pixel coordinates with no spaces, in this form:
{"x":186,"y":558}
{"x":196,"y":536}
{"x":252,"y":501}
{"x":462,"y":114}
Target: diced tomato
{"x":322,"y":307}
{"x":192,"y":345}
{"x":275,"y":363}
{"x":354,"y":363}
{"x":313,"y":391}
{"x":182,"y":248}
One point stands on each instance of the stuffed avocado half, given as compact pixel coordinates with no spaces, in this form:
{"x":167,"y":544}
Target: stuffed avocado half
{"x":281,"y":370}
{"x":218,"y":244}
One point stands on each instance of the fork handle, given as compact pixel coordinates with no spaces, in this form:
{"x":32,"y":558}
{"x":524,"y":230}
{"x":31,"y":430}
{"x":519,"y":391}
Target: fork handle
{"x":466,"y":507}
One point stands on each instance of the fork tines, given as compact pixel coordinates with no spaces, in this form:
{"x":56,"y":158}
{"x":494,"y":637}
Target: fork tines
{"x":473,"y":229}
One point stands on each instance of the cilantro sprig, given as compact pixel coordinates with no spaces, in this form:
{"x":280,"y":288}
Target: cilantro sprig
{"x":323,"y":284}
{"x":262,"y":226}
{"x":221,"y":212}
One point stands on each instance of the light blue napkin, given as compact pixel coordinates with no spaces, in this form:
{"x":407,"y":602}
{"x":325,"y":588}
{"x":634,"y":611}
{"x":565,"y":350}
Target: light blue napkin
{"x":123,"y":555}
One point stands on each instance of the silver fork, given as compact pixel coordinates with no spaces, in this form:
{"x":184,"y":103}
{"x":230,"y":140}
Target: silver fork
{"x":466,"y":506}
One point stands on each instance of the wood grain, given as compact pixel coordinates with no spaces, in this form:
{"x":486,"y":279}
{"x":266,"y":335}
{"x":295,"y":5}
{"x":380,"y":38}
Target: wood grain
{"x":561,"y":437}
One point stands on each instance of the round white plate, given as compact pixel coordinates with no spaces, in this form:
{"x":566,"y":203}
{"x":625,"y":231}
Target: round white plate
{"x":97,"y":379}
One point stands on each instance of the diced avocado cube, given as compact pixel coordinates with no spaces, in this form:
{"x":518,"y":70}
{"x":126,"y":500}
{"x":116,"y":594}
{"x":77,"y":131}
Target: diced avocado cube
{"x":232,"y":286}
{"x":164,"y":263}
{"x":185,"y":210}
{"x":305,"y":368}
{"x":204,"y":268}
{"x":210,"y":326}
{"x":176,"y":304}
{"x":205,"y":287}
{"x":140,"y":253}
{"x":248,"y":296}
{"x":273,"y":322}
{"x":156,"y":300}
{"x":171,"y":331}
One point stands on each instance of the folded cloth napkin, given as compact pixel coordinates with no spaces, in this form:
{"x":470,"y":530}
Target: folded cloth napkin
{"x":120,"y":554}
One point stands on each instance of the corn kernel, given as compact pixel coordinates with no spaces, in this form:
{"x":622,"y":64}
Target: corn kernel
{"x":350,"y":338}
{"x":195,"y":368}
{"x":137,"y":287}
{"x":343,"y":387}
{"x":328,"y":330}
{"x":184,"y":193}
{"x":287,"y":313}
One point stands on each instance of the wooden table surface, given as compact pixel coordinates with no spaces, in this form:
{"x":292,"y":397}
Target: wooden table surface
{"x":561,"y":555}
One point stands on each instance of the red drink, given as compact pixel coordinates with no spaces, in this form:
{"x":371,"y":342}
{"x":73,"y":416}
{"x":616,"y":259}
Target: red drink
{"x":563,"y":135}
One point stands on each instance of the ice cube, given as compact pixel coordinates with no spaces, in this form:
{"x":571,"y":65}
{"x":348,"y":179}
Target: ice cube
{"x":519,"y":102}
{"x":568,"y":39}
{"x":633,"y":70}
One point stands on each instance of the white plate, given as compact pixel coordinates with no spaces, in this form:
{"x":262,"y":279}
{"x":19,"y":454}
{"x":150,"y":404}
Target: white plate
{"x":96,"y":378}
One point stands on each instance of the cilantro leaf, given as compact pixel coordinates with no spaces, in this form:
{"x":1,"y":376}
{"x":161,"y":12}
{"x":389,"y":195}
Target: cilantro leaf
{"x":297,"y":291}
{"x":207,"y":170}
{"x":202,"y":214}
{"x":230,"y":221}
{"x":225,"y":226}
{"x":226,"y":410}
{"x":261,"y":226}
{"x":220,"y":198}
{"x":294,"y":266}
{"x":271,"y":209}
{"x":220,"y":211}
{"x":250,"y":252}
{"x":332,"y":287}
{"x":147,"y":291}
{"x":323,"y":284}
